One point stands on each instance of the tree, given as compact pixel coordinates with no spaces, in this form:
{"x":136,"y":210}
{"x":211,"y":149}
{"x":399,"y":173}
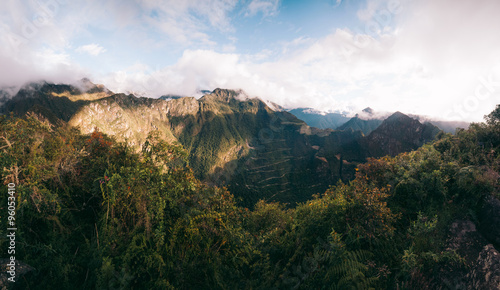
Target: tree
{"x":493,"y":118}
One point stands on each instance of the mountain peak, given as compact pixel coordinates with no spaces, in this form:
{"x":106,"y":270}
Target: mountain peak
{"x":398,"y":116}
{"x":368,"y":111}
{"x":275,"y":107}
{"x":87,"y":86}
{"x":225,"y":95}
{"x":399,"y":133}
{"x":86,"y":81}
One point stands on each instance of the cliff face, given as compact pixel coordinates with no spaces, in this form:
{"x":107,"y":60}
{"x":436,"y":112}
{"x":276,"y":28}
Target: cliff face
{"x":481,"y":269}
{"x":131,"y":119}
{"x":231,"y":139}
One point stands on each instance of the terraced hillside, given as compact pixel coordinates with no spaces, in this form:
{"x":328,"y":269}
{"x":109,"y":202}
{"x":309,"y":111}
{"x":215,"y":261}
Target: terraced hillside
{"x":231,"y":139}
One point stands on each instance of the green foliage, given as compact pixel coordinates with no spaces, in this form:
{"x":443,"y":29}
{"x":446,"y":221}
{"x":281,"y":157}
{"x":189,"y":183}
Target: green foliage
{"x":94,"y":213}
{"x":493,"y":118}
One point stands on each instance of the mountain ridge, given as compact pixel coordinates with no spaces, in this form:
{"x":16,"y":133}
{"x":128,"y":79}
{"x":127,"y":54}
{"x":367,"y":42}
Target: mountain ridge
{"x":231,"y":139}
{"x":366,"y":121}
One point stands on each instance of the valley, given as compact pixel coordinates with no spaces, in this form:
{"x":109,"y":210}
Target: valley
{"x":130,"y":191}
{"x":257,"y":152}
{"x":256,"y":144}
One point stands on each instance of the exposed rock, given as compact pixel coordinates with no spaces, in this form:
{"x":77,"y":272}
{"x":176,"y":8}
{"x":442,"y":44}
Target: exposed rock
{"x":485,"y":273}
{"x":21,"y":270}
{"x":482,"y":260}
{"x":489,"y":218}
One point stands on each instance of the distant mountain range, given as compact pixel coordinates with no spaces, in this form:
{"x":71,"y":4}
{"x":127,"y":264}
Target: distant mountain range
{"x":366,"y":121}
{"x":364,"y":125}
{"x":320,"y":120}
{"x":257,"y":151}
{"x":399,"y":133}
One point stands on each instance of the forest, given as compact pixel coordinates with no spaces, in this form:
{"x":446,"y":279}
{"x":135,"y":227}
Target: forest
{"x":93,"y":213}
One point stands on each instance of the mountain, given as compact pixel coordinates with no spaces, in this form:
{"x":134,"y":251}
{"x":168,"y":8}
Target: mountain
{"x":424,"y":220}
{"x":257,"y":152}
{"x":446,"y":126}
{"x":275,"y":107}
{"x":4,"y":96}
{"x":231,"y":139}
{"x":319,"y":120}
{"x":398,"y":133}
{"x":366,"y":121}
{"x":365,"y":126}
{"x":58,"y":102}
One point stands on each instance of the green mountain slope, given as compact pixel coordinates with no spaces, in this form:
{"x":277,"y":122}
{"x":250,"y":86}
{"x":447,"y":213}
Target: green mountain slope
{"x":231,"y":139}
{"x":94,"y":214}
{"x":365,"y":126}
{"x":321,"y":121}
{"x":398,"y":133}
{"x":62,"y":100}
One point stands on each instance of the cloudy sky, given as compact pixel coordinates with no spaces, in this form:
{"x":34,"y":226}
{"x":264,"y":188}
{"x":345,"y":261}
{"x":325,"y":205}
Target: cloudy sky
{"x":435,"y":57}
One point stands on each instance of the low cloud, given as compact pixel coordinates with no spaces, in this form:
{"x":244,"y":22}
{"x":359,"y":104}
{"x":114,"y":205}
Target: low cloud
{"x":92,"y":49}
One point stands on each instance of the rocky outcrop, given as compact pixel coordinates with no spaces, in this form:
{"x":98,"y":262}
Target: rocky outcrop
{"x":482,"y":260}
{"x":489,"y":218}
{"x":485,"y":273}
{"x":21,"y":270}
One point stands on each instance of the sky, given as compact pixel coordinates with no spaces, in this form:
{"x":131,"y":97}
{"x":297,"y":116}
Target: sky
{"x":439,"y":58}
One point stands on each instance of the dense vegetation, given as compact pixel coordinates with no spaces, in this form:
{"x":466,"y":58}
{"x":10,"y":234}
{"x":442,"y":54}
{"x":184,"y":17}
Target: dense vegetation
{"x":93,"y":213}
{"x":231,"y":140}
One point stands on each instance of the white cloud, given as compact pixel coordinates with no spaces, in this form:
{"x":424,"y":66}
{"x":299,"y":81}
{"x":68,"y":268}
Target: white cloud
{"x":46,"y":64}
{"x":266,"y":7}
{"x":337,"y":3}
{"x":428,"y":57}
{"x":372,"y":7}
{"x":429,"y":63}
{"x":188,"y":21}
{"x":34,"y":36}
{"x":92,"y":49}
{"x":30,"y":29}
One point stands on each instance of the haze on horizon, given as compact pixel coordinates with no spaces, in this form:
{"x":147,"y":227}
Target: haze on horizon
{"x":434,"y":58}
